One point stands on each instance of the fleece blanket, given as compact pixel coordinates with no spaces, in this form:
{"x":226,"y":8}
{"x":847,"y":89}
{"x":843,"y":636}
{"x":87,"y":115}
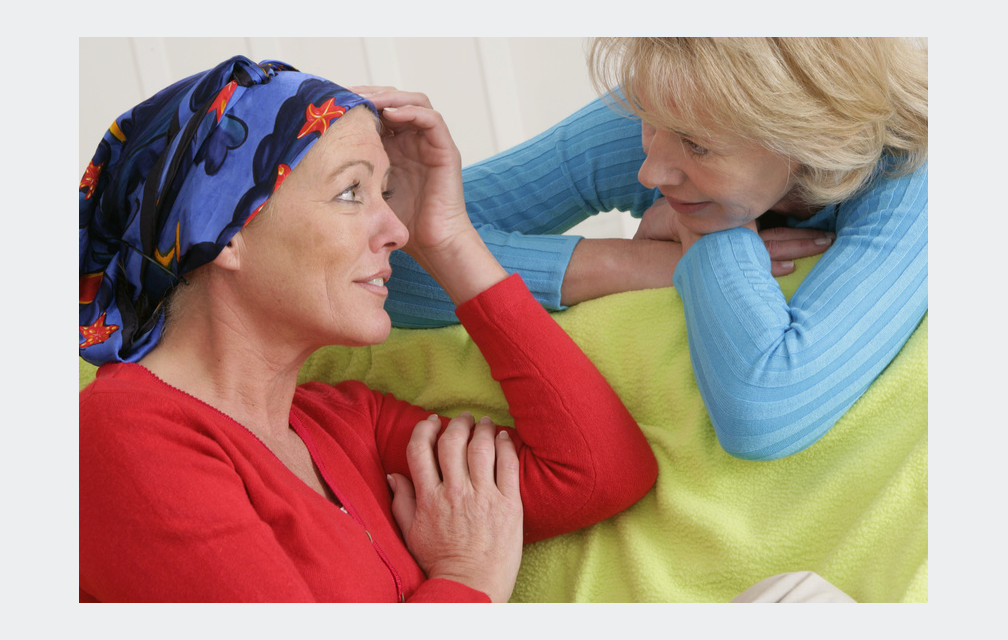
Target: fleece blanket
{"x":853,"y":507}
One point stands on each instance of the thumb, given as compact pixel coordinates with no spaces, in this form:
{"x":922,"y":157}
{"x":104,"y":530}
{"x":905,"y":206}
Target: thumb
{"x":403,"y":501}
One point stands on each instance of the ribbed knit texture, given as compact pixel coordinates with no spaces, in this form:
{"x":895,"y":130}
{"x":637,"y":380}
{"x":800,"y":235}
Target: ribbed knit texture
{"x":521,"y":199}
{"x":777,"y":374}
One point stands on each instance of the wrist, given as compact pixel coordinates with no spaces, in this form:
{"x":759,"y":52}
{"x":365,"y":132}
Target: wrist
{"x":462,"y":265}
{"x":600,"y":267}
{"x":468,"y":582}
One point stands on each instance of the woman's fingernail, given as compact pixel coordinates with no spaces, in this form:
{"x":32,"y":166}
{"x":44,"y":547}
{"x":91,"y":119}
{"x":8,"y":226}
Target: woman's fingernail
{"x":503,"y":435}
{"x":391,"y":481}
{"x":787,"y":264}
{"x":824,"y":240}
{"x":486,"y":420}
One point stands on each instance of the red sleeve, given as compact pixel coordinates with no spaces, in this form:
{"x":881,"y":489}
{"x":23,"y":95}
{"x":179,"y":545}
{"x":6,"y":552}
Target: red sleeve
{"x":441,"y":590}
{"x":583,"y":456}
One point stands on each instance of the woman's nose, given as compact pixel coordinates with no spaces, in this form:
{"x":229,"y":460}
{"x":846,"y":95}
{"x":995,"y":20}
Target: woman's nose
{"x":663,"y":162}
{"x":394,"y":233}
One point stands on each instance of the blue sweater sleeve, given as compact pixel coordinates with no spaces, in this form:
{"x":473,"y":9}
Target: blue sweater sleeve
{"x":776,"y":374}
{"x":522,"y":199}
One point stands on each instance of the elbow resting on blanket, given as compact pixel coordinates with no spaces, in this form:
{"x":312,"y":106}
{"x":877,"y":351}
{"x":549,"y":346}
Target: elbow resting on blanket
{"x":767,"y":439}
{"x":621,"y":481}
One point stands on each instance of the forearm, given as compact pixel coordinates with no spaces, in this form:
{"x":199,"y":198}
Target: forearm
{"x":521,"y":199}
{"x":559,"y":270}
{"x":777,"y":374}
{"x":416,"y":300}
{"x":600,"y":267}
{"x":464,"y":267}
{"x":583,"y":165}
{"x":583,"y":457}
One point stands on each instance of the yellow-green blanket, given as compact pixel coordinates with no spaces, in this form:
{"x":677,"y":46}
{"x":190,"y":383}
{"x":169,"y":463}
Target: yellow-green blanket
{"x":853,"y":507}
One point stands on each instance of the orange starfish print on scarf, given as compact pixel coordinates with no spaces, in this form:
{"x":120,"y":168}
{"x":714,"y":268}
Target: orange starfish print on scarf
{"x":90,"y":178}
{"x":89,"y":286}
{"x":220,"y":103}
{"x":282,"y":172}
{"x":319,"y":118}
{"x":97,"y":332}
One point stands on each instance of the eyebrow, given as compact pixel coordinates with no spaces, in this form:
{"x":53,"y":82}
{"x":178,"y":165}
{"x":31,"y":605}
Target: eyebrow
{"x":346,"y":165}
{"x":692,"y":136}
{"x":352,"y":163}
{"x":718,"y":146}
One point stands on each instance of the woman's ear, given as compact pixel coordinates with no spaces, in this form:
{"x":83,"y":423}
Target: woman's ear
{"x":230,"y":256}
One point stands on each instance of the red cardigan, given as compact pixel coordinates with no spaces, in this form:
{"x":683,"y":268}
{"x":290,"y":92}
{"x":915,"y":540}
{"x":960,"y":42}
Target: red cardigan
{"x":180,"y":503}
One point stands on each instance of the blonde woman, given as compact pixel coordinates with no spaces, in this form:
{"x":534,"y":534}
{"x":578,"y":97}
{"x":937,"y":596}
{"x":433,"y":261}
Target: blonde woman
{"x":827,"y":136}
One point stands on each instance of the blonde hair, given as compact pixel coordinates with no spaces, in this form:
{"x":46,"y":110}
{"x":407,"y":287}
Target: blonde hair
{"x":834,"y":106}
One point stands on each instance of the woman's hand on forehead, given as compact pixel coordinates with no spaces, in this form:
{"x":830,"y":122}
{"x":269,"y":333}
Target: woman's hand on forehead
{"x":426,"y":181}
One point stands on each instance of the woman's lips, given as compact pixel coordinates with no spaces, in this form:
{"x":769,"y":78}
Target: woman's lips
{"x":375,"y":283}
{"x":686,"y":207}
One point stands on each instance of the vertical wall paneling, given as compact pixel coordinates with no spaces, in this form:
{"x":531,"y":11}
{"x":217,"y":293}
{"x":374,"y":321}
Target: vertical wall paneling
{"x":492,"y":92}
{"x":502,"y":92}
{"x":553,"y":79}
{"x":109,"y":84}
{"x":152,"y":63}
{"x":448,"y":70}
{"x":382,"y":63}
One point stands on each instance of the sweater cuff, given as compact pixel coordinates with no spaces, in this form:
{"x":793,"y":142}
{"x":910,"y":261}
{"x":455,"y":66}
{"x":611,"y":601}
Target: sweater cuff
{"x":510,"y":297}
{"x":417,"y":301}
{"x":540,"y":259}
{"x":443,"y":590}
{"x":738,"y":247}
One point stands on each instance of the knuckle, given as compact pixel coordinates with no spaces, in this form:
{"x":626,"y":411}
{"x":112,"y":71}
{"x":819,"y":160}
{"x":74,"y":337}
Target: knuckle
{"x":454,"y":436}
{"x":509,"y":469}
{"x":423,"y":431}
{"x":416,"y":448}
{"x":482,"y":449}
{"x":456,"y":494}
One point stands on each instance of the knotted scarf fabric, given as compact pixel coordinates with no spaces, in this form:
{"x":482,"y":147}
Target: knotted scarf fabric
{"x":172,"y":181}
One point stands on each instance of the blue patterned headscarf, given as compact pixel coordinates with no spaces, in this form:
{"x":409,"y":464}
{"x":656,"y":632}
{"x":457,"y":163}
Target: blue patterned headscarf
{"x":175,"y":178}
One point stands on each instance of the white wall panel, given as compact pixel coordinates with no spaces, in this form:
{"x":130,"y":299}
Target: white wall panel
{"x":449,"y":71}
{"x":492,"y":92}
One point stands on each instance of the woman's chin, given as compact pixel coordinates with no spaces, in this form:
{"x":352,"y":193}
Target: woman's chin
{"x":370,"y":331}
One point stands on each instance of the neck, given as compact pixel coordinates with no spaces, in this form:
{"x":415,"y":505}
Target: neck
{"x":213,"y":356}
{"x":792,"y":206}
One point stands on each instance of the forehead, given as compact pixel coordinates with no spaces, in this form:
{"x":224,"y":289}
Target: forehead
{"x":353,"y":136}
{"x":358,"y":127}
{"x":691,"y":119}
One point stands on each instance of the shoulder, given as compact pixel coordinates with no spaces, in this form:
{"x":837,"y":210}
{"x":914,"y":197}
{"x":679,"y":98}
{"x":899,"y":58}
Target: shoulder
{"x":124,"y":389}
{"x":890,"y":179}
{"x":903,"y":197}
{"x":127,"y":415}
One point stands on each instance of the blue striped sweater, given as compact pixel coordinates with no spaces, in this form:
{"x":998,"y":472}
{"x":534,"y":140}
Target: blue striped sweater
{"x":775,"y":374}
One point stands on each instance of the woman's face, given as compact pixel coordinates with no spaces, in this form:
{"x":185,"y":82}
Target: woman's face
{"x":713,"y":184}
{"x":318,"y":258}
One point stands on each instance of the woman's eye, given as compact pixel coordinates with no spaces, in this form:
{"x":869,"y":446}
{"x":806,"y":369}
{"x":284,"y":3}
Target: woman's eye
{"x":387,"y":194}
{"x":349,"y":194}
{"x":694,"y":148}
